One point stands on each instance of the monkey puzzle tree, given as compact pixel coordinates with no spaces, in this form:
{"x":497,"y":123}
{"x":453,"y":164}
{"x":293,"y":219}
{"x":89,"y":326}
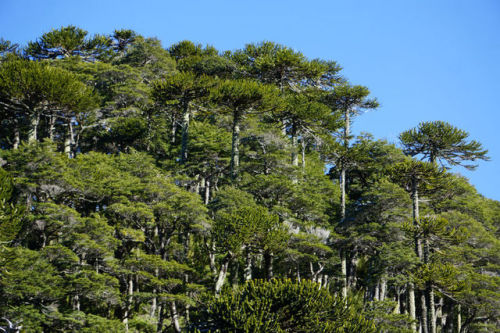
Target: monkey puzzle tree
{"x":440,"y":141}
{"x":69,"y":41}
{"x":30,"y":90}
{"x":349,"y":101}
{"x":283,"y":305}
{"x":241,"y":97}
{"x":419,"y":178}
{"x":182,"y":89}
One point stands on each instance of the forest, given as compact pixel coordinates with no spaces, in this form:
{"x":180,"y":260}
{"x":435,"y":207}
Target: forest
{"x":188,"y":189}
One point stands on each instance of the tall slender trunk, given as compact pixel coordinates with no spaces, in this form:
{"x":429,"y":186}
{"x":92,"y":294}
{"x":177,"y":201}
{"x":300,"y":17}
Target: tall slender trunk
{"x":161,"y":318}
{"x":185,"y":132}
{"x":303,"y":150}
{"x":343,"y":264}
{"x":69,"y":140}
{"x":128,"y":306}
{"x":268,"y":264}
{"x":294,"y":156}
{"x":397,"y":309}
{"x":235,"y":152}
{"x":383,"y":288}
{"x":207,"y":192}
{"x":343,"y":165}
{"x":175,"y":317}
{"x":222,"y":274}
{"x":423,"y":314}
{"x":429,"y":293}
{"x":459,"y":318}
{"x":376,"y":292}
{"x":173,"y":130}
{"x":33,"y":130}
{"x":343,"y":253}
{"x":52,"y":127}
{"x":17,"y":135}
{"x":416,"y":218}
{"x":248,"y":266}
{"x":411,"y":306}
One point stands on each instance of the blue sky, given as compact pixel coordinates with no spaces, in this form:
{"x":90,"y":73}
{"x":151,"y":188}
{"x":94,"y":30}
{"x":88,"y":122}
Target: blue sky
{"x":423,"y":59}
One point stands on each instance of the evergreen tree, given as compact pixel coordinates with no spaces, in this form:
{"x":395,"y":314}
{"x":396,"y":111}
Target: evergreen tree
{"x":440,"y":141}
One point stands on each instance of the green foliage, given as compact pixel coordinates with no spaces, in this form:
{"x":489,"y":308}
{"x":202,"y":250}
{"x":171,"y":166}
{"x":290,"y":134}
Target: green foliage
{"x":440,"y":141}
{"x":281,"y":306}
{"x":136,"y":182}
{"x":68,"y":41}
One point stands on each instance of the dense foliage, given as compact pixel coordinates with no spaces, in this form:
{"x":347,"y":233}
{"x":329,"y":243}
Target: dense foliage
{"x":145,"y":189}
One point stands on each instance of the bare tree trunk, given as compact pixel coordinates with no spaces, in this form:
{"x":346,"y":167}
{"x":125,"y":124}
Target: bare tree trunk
{"x":235,"y":152}
{"x":17,"y":135}
{"x":175,"y":317}
{"x":383,"y":288}
{"x":303,"y":149}
{"x":222,"y":274}
{"x":268,"y":262}
{"x":411,"y":306}
{"x":207,"y":192}
{"x":459,"y":318}
{"x":343,"y":264}
{"x":33,"y":130}
{"x":69,"y":140}
{"x":423,"y":315}
{"x":52,"y":125}
{"x":248,"y":266}
{"x":185,"y":133}
{"x":161,"y":317}
{"x":128,"y":306}
{"x":416,"y":219}
{"x":397,"y":309}
{"x":173,"y":130}
{"x":376,"y":293}
{"x":343,"y":165}
{"x":154,"y":301}
{"x":295,"y":156}
{"x":429,"y":293}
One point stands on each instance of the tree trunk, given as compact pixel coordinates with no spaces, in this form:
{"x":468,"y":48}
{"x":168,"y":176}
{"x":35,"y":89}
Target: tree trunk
{"x":222,"y":274}
{"x":411,"y":306}
{"x":343,"y":264}
{"x":343,"y":166}
{"x":69,"y":140}
{"x":429,"y":293}
{"x":17,"y":135}
{"x":173,"y":130}
{"x":161,"y":317}
{"x":376,"y":292}
{"x":383,"y":289}
{"x":185,"y":133}
{"x":52,"y":126}
{"x":207,"y":192}
{"x":175,"y":317}
{"x":459,"y":318}
{"x":303,"y":149}
{"x":128,"y":306}
{"x":423,"y":314}
{"x":33,"y":130}
{"x":268,"y":263}
{"x":295,"y":156}
{"x":416,"y":218}
{"x":248,"y":266}
{"x":235,"y":152}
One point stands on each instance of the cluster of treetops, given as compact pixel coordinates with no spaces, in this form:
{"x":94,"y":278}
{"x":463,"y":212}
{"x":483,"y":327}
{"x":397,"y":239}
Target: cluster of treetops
{"x":145,"y":189}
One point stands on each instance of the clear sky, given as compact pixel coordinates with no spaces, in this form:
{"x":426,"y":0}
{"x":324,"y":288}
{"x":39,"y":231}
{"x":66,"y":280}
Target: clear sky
{"x":423,"y":59}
